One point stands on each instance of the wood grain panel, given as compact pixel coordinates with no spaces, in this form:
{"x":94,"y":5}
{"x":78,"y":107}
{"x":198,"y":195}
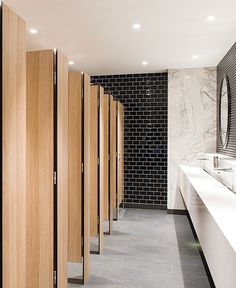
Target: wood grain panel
{"x":120,"y":149}
{"x":227,"y":66}
{"x":62,"y":170}
{"x":93,"y":162}
{"x":75,"y":164}
{"x":118,"y":156}
{"x":122,"y":155}
{"x":87,"y":176}
{"x":101,"y":166}
{"x":97,"y":173}
{"x":111,"y":171}
{"x":40,"y":169}
{"x":13,"y":149}
{"x":112,"y":154}
{"x":105,"y":156}
{"x":117,"y":164}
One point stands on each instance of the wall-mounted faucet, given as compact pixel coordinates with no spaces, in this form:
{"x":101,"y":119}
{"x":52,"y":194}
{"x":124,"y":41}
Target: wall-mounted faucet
{"x":215,"y":162}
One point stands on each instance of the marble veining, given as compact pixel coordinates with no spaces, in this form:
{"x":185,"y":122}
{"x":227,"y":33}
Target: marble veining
{"x":191,"y":121}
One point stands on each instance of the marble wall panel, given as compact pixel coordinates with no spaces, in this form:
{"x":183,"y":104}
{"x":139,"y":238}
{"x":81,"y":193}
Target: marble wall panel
{"x":191,"y":121}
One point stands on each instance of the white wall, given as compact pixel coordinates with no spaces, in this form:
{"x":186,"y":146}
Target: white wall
{"x":191,"y":121}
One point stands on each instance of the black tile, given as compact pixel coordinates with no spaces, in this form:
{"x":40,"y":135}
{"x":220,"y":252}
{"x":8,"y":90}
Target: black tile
{"x":145,"y":99}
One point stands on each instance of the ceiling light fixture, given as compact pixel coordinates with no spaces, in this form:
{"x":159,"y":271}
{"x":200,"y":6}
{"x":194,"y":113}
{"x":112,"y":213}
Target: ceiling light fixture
{"x":144,"y":63}
{"x":210,"y":18}
{"x":195,"y":57}
{"x":71,"y":62}
{"x":33,"y":31}
{"x":136,"y":26}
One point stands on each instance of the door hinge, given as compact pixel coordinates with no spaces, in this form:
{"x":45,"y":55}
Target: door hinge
{"x":82,"y":167}
{"x":55,"y":178}
{"x":109,"y":157}
{"x":98,"y":220}
{"x":54,"y":277}
{"x":98,"y":102}
{"x":98,"y":162}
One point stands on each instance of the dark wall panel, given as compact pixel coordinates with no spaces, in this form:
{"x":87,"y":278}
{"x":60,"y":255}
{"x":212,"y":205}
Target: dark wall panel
{"x":145,"y":101}
{"x":227,"y":66}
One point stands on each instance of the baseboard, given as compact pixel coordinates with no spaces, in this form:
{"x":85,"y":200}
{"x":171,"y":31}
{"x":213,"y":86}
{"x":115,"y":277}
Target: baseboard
{"x":144,"y":206}
{"x":177,"y":211}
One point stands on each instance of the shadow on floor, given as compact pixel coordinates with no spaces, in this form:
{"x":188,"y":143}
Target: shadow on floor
{"x":95,"y":281}
{"x":107,"y":251}
{"x":120,"y":233}
{"x":193,"y":271}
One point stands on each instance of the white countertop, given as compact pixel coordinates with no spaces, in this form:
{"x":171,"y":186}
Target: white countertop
{"x":218,"y":199}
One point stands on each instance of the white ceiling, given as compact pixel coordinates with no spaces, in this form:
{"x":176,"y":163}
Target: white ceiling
{"x":98,"y":35}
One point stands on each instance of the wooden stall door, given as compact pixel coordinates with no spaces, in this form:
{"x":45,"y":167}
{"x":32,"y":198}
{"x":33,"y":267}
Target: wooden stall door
{"x":120,"y":150}
{"x":94,"y":162}
{"x":122,"y":192}
{"x":40,"y":169}
{"x":105,"y":155}
{"x":79,"y":183}
{"x":13,"y":150}
{"x":112,"y":157}
{"x":62,"y":170}
{"x":102,"y":165}
{"x":87,"y":177}
{"x":75,"y":165}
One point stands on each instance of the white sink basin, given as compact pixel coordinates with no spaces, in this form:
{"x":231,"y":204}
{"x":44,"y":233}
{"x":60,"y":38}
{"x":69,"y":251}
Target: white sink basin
{"x":224,"y":176}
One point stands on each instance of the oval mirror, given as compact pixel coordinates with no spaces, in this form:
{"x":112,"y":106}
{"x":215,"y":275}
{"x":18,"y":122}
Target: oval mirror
{"x":224,"y":112}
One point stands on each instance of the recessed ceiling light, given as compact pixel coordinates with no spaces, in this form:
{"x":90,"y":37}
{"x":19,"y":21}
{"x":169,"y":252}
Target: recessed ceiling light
{"x":136,"y":26}
{"x":71,"y":62}
{"x":210,"y":18}
{"x":33,"y":31}
{"x":195,"y":57}
{"x":144,"y":63}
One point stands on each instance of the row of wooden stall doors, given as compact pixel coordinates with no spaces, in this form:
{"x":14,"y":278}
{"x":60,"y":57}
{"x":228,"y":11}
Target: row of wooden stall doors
{"x":61,"y":161}
{"x":105,"y":171}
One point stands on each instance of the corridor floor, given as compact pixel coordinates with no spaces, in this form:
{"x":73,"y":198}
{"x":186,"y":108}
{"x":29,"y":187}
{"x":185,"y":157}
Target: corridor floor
{"x":148,"y":249}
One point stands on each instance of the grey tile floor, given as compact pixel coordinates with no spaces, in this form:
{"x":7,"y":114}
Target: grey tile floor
{"x":148,"y":249}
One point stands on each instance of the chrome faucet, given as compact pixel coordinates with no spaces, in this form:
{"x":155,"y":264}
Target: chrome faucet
{"x":215,"y":162}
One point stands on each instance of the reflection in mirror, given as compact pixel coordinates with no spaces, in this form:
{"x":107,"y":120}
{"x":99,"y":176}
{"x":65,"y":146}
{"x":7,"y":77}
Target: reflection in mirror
{"x":224,"y":111}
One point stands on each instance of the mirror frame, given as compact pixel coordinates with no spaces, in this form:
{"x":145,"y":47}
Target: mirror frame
{"x":225,"y":78}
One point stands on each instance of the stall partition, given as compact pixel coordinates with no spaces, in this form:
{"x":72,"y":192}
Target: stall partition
{"x":120,"y":157}
{"x":97,"y":162}
{"x":47,"y":169}
{"x":13,"y":146}
{"x":104,"y":148}
{"x":79,"y":203}
{"x":112,"y":160}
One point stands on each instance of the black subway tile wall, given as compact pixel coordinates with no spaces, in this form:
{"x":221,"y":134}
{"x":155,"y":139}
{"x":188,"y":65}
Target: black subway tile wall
{"x":145,"y":98}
